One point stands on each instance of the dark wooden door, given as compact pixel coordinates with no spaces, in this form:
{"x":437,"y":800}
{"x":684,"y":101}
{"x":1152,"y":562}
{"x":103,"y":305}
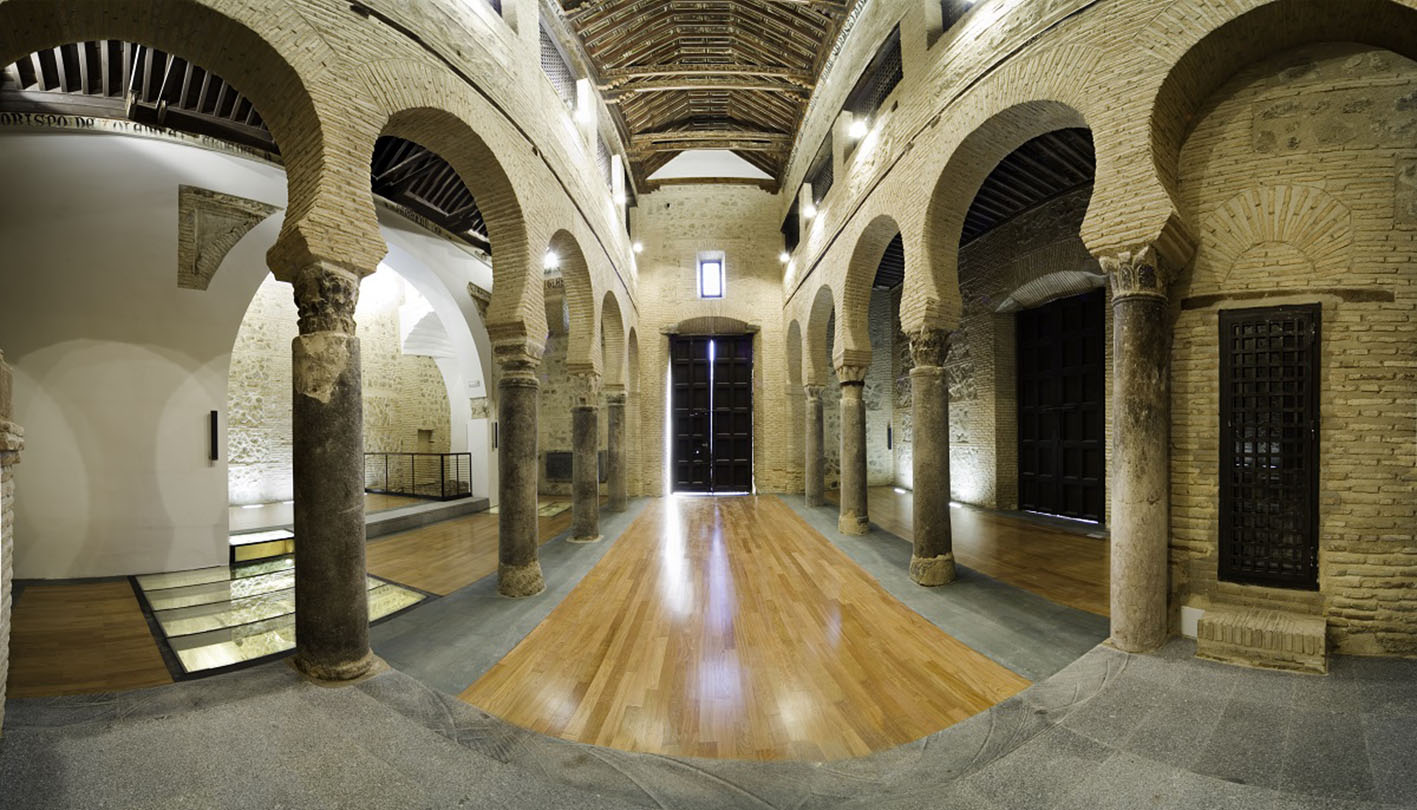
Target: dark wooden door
{"x":733,"y":414}
{"x":712,"y":408}
{"x":1269,"y":446}
{"x":1061,"y":412}
{"x":691,"y":403}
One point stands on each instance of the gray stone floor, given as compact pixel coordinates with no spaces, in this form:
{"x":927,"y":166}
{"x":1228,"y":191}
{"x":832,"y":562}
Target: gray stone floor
{"x":1107,"y":730}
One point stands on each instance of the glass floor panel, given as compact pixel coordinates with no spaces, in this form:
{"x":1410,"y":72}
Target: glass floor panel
{"x":247,"y":642}
{"x":202,"y":618}
{"x":225,"y":591}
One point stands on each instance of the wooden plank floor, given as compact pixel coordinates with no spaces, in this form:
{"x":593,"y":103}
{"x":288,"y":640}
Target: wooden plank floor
{"x":728,"y":627}
{"x":1067,"y":568}
{"x":449,"y":555}
{"x":86,"y":637}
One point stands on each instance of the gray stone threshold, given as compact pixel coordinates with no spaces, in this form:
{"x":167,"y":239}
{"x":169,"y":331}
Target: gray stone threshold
{"x":450,"y":642}
{"x":1027,"y":633}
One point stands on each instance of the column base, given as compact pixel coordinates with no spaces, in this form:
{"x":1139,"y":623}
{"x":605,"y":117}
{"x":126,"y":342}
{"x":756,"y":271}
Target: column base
{"x":932,"y":571}
{"x":595,"y":539}
{"x":342,"y":673}
{"x":815,"y":500}
{"x":616,"y":506}
{"x":853,"y":524}
{"x":518,"y":581}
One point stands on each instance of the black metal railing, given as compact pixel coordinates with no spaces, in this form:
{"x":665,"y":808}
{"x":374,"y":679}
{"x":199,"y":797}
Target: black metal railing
{"x":438,"y":476}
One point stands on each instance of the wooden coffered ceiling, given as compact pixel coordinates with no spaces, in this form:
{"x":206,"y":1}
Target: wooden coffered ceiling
{"x":707,"y":74}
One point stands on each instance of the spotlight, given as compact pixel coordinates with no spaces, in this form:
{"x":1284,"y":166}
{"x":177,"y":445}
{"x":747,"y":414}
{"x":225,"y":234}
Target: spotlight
{"x":621,"y":199}
{"x":899,"y":491}
{"x":859,"y":128}
{"x":784,"y":257}
{"x":550,"y":261}
{"x":809,"y":211}
{"x":638,"y":247}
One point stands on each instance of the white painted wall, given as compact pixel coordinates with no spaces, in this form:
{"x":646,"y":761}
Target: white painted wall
{"x":116,"y":368}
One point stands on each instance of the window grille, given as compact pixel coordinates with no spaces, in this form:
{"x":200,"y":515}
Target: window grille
{"x":1269,"y":442}
{"x":556,"y":69}
{"x":878,"y":79}
{"x":792,"y":228}
{"x":819,"y":173}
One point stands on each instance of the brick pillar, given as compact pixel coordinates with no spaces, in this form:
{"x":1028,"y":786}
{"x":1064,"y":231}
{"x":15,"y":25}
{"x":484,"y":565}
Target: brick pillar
{"x":853,"y":519}
{"x":518,"y":533}
{"x":932,"y":560}
{"x":585,"y":461}
{"x":331,"y":597}
{"x":11,"y":443}
{"x":814,"y":463}
{"x":615,"y":468}
{"x":1140,"y":452}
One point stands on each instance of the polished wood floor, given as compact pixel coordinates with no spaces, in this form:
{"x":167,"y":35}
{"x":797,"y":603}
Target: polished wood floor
{"x":446,"y":556}
{"x":1068,"y":568}
{"x":86,"y":637}
{"x":728,"y":627}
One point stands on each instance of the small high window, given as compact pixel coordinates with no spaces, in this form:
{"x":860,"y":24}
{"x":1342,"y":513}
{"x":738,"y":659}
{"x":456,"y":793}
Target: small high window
{"x":711,"y":276}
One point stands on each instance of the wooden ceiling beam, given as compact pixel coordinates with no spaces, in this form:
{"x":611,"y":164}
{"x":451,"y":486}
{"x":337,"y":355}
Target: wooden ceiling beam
{"x":711,"y":82}
{"x":615,"y":77}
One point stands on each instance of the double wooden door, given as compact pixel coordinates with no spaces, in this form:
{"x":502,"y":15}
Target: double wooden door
{"x":712,"y":413}
{"x":1061,"y":407}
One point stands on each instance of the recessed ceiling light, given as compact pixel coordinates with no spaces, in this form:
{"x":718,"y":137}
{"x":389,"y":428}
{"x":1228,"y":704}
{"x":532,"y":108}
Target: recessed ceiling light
{"x":859,"y":128}
{"x":784,"y":257}
{"x":638,"y":247}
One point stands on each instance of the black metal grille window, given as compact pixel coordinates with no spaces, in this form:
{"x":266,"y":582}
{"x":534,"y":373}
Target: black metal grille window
{"x":1269,"y":446}
{"x":792,"y":228}
{"x":602,"y":159}
{"x":878,"y":79}
{"x":556,"y":69}
{"x":819,"y":173}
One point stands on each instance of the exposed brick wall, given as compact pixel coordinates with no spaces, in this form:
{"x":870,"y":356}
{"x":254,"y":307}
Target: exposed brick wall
{"x":1294,"y":174}
{"x":675,"y":224}
{"x":403,"y":394}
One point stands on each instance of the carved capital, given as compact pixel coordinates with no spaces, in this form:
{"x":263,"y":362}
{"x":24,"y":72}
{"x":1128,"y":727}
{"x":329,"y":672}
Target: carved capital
{"x":1136,"y":274}
{"x":814,"y":392}
{"x":585,"y":389}
{"x":615,"y":396}
{"x":929,"y":347}
{"x":326,"y":296}
{"x":517,"y":361}
{"x":851,"y":374}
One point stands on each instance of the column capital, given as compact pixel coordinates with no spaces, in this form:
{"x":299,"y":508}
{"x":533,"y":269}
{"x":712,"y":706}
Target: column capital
{"x":326,"y":295}
{"x":615,"y":396}
{"x":1136,"y":274}
{"x":585,"y":389}
{"x":813,"y":391}
{"x":851,"y":374}
{"x":517,"y":361}
{"x":929,"y":347}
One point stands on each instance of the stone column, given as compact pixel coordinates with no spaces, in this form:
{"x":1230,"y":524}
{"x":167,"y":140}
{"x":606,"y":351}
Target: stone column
{"x":12,"y":441}
{"x":1139,"y":478}
{"x":932,"y":560}
{"x":853,"y":519}
{"x":327,"y":430}
{"x":518,"y":531}
{"x":585,"y":462}
{"x":814,"y":463}
{"x":615,"y":467}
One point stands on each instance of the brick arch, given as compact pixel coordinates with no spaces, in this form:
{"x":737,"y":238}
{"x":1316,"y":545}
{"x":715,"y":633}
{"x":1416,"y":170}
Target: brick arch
{"x":1203,"y":48}
{"x":425,"y":106}
{"x":968,"y":166}
{"x":794,"y":357}
{"x":583,"y":340}
{"x":274,"y":58}
{"x":814,"y":347}
{"x":853,"y":332}
{"x":612,"y":332}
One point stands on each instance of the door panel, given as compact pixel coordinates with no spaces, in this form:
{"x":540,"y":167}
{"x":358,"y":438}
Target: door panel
{"x":712,"y":405}
{"x":1061,"y":379}
{"x":1269,"y":446}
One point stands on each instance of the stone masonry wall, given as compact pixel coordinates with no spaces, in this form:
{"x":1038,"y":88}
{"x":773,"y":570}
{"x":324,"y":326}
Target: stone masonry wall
{"x":11,"y":441}
{"x":1040,"y":257}
{"x":1296,"y":172}
{"x":403,"y":394}
{"x":675,"y":224}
